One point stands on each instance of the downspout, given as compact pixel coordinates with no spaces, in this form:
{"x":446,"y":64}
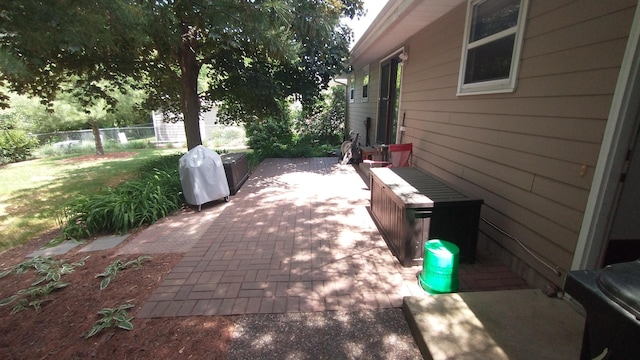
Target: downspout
{"x":367,"y":125}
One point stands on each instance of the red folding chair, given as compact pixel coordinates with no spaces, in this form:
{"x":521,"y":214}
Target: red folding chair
{"x":399,"y":156}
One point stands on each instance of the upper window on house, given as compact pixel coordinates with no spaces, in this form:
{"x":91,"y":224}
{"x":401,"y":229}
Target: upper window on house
{"x":365,"y":83}
{"x":352,"y":88}
{"x":491,"y":49}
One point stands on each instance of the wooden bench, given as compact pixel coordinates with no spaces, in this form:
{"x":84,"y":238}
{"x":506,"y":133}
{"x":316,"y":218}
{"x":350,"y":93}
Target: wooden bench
{"x":411,"y":206}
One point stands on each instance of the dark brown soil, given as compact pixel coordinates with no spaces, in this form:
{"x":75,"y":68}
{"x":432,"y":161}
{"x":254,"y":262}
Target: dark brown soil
{"x":58,"y":329}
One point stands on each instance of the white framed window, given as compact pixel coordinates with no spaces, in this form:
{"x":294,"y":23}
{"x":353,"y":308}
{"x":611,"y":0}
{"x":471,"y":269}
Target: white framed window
{"x":365,"y":84}
{"x":352,"y":88}
{"x":491,"y":49}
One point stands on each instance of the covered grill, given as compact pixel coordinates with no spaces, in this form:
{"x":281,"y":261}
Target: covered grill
{"x":202,"y":176}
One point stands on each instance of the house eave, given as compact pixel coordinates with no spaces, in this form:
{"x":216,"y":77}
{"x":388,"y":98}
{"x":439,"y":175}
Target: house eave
{"x":398,"y":21}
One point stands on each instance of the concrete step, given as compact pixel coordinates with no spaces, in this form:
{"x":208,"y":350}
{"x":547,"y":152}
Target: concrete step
{"x":512,"y":324}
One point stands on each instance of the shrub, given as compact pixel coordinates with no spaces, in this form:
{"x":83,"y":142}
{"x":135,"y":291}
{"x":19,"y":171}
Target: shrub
{"x":16,"y":145}
{"x":271,"y":138}
{"x":155,"y":194}
{"x":274,"y":138}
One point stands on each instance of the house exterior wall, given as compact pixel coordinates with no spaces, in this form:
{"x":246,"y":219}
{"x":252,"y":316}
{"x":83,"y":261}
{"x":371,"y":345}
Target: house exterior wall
{"x":359,"y":110}
{"x":529,"y":154}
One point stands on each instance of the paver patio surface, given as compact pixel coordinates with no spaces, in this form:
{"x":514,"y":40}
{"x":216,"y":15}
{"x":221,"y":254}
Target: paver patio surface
{"x":297,"y":237}
{"x":175,"y":233}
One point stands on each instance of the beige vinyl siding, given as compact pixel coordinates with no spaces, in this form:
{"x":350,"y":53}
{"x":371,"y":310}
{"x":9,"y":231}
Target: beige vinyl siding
{"x":358,"y":110}
{"x":531,"y":153}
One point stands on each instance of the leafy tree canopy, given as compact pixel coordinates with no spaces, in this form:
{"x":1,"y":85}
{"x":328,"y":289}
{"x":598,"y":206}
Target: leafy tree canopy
{"x":44,"y":44}
{"x":256,"y":52}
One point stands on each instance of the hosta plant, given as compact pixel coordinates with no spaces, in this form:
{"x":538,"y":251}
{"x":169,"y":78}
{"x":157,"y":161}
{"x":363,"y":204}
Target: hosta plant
{"x":33,"y":296}
{"x":112,"y":269}
{"x":51,"y":271}
{"x":112,"y":317}
{"x":50,"y":268}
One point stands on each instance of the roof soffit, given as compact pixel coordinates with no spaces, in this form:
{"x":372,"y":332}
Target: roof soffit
{"x":397,"y":22}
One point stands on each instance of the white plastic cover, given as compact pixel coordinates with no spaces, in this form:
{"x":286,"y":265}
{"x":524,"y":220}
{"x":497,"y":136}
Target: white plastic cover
{"x":202,"y":176}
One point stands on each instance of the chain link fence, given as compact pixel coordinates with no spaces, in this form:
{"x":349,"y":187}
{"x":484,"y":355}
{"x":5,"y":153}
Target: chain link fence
{"x":215,"y":136}
{"x":121,"y":135}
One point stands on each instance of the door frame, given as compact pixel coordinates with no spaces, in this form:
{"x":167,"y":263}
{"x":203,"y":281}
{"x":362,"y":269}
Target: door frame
{"x":621,"y":122}
{"x":401,"y":55}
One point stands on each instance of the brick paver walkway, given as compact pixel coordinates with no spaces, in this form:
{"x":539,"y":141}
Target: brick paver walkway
{"x":296,"y":238}
{"x":174,"y":233}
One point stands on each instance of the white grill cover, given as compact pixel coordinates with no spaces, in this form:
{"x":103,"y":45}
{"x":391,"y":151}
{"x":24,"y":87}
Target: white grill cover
{"x":202,"y":176}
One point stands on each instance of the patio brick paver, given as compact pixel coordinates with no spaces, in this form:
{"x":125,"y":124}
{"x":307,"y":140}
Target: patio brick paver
{"x":174,"y":233}
{"x":296,"y":238}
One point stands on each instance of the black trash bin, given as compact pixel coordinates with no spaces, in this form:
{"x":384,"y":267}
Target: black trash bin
{"x":611,"y":299}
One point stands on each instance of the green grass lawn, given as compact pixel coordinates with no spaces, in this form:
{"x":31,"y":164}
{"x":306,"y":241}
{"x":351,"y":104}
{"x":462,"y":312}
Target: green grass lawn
{"x":33,"y":193}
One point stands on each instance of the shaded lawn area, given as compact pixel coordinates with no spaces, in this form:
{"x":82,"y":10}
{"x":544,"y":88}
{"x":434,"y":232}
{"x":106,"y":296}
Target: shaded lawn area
{"x":33,"y":193}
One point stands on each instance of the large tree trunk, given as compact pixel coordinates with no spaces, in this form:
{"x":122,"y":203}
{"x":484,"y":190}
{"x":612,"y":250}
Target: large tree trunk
{"x":95,"y":128}
{"x":189,"y":81}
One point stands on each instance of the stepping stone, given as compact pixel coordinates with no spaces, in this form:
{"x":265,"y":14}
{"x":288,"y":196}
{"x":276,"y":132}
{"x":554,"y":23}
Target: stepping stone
{"x":56,"y":250}
{"x":104,"y":243}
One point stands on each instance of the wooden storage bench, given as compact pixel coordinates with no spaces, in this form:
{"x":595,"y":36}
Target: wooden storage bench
{"x":236,"y":167}
{"x":411,"y":206}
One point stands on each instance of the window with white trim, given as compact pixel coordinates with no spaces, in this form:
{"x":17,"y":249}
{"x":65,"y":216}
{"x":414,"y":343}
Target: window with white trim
{"x":365,"y":83}
{"x":352,"y":88}
{"x":491,"y":50}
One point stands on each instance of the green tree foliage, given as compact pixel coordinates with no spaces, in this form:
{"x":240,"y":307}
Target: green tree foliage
{"x":44,"y":44}
{"x":125,"y":110}
{"x":256,"y":51}
{"x":23,"y":113}
{"x":66,"y":113}
{"x":324,"y":122}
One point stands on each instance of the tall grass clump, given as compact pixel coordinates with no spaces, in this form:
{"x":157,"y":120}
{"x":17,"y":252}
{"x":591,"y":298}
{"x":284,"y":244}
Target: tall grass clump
{"x":156,"y":193}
